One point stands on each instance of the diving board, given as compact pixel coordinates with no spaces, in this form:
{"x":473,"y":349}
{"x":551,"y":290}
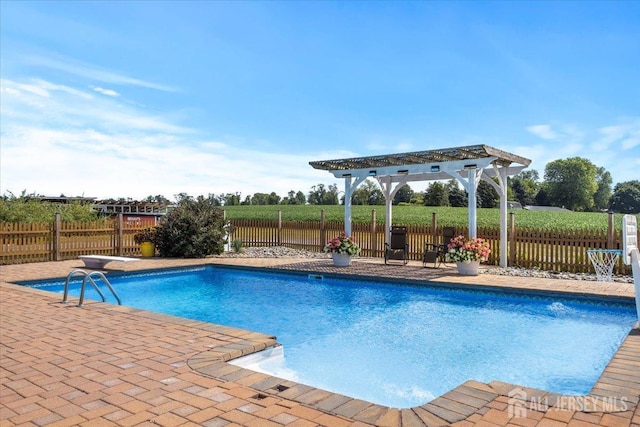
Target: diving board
{"x":99,"y":261}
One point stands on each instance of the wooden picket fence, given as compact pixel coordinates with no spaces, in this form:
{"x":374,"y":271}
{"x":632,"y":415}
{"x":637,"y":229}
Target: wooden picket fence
{"x":549,"y":249}
{"x":60,"y":240}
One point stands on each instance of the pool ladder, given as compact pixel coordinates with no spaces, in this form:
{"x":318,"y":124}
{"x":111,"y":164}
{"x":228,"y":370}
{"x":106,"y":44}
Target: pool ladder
{"x":88,"y":277}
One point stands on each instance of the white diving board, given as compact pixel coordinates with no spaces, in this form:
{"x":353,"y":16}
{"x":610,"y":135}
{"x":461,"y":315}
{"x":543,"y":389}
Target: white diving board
{"x":99,"y":261}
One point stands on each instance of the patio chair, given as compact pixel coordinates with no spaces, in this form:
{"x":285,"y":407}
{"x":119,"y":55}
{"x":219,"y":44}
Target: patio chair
{"x":398,"y":248}
{"x":436,"y":253}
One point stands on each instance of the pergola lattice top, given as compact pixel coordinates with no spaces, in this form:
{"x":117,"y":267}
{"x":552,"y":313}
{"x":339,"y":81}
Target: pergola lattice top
{"x":468,"y":165}
{"x":422,"y":157}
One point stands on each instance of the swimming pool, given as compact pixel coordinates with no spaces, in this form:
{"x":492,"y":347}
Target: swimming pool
{"x":399,"y":345}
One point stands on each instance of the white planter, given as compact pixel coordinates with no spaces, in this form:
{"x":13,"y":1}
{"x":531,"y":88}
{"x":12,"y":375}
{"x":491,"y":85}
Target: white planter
{"x":341,"y":260}
{"x":469,"y":268}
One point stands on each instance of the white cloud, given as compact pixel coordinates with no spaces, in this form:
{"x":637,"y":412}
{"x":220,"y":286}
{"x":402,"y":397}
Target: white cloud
{"x":542,"y":131}
{"x":108,"y":92}
{"x":92,"y":72}
{"x":59,"y":105}
{"x":621,"y":136}
{"x":63,"y":140}
{"x":96,"y":164}
{"x":614,"y":147}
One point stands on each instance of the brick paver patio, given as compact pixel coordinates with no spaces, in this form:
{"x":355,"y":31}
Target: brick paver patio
{"x":101,"y":364}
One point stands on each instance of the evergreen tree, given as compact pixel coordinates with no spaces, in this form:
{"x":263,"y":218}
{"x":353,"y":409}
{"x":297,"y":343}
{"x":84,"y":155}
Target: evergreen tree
{"x":487,"y":196}
{"x":457,"y":196}
{"x":436,"y":194}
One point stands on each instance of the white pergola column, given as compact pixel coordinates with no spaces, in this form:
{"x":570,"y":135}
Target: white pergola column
{"x":470,"y":184}
{"x":501,"y":187}
{"x":389,"y":191}
{"x":349,"y":186}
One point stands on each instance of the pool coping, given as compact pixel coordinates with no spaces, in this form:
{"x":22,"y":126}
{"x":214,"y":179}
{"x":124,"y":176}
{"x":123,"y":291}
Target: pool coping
{"x":620,"y":379}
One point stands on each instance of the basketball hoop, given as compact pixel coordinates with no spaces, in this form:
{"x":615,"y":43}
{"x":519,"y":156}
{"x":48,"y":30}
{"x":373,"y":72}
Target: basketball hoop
{"x":603,"y":261}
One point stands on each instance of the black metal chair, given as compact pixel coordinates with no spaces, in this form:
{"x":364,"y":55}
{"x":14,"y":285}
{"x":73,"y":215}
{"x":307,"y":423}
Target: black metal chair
{"x":398,"y":248}
{"x":436,"y":253}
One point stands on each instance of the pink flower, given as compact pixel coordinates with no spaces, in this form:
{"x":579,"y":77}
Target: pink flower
{"x":471,"y":250}
{"x":342,"y":245}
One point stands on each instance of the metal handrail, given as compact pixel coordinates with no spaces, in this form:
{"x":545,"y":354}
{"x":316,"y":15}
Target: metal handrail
{"x":87,"y":277}
{"x":79,"y":272}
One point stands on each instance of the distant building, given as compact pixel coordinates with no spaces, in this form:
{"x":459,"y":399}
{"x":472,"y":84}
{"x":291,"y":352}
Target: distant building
{"x":546,"y":209}
{"x":134,"y":213}
{"x":513,"y":205}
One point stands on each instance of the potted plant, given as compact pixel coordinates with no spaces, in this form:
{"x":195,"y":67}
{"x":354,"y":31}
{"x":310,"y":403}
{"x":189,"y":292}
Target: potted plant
{"x":146,"y":238}
{"x":468,"y":253}
{"x":342,"y":248}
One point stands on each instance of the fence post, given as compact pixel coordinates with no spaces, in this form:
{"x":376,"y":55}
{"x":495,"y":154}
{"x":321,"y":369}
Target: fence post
{"x":57,"y":256}
{"x":120,"y":235}
{"x":611,"y":232}
{"x":434,"y":225}
{"x":323,"y":230}
{"x":374,"y":235}
{"x":512,"y":238}
{"x":279,"y":236}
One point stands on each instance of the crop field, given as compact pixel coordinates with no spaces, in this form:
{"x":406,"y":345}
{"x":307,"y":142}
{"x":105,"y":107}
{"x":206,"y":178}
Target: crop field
{"x":421,"y":215}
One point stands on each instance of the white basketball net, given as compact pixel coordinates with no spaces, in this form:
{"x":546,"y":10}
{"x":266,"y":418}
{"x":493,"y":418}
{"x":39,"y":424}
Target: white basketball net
{"x":603,"y":261}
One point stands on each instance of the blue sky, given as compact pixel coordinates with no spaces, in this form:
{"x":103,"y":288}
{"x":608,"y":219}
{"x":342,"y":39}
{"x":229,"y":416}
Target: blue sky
{"x":130,"y":99}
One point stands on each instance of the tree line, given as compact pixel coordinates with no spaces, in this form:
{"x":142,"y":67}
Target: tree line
{"x":574,"y":183}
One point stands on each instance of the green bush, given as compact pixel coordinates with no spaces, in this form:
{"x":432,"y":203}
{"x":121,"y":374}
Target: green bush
{"x":194,"y":229}
{"x":237,"y":246}
{"x":31,"y":209}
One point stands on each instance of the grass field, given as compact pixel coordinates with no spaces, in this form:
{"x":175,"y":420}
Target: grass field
{"x":415,"y":215}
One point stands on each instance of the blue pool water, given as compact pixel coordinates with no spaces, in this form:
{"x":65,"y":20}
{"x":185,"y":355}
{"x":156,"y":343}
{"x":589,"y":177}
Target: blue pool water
{"x":394,"y":344}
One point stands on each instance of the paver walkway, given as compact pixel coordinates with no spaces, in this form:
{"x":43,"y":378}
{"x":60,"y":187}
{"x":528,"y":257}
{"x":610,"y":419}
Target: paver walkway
{"x":101,"y":364}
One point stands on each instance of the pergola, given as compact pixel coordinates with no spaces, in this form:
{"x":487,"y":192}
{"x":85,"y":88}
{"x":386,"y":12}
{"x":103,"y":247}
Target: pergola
{"x":468,"y":165}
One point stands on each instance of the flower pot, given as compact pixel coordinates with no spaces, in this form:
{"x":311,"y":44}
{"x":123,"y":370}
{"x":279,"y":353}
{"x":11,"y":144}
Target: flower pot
{"x":148,"y":249}
{"x":468,"y":268}
{"x":341,"y":260}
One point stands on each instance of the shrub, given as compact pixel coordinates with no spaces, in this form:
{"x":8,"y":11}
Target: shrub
{"x":145,"y":235}
{"x":236,"y":245}
{"x":29,"y":208}
{"x":194,"y":229}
